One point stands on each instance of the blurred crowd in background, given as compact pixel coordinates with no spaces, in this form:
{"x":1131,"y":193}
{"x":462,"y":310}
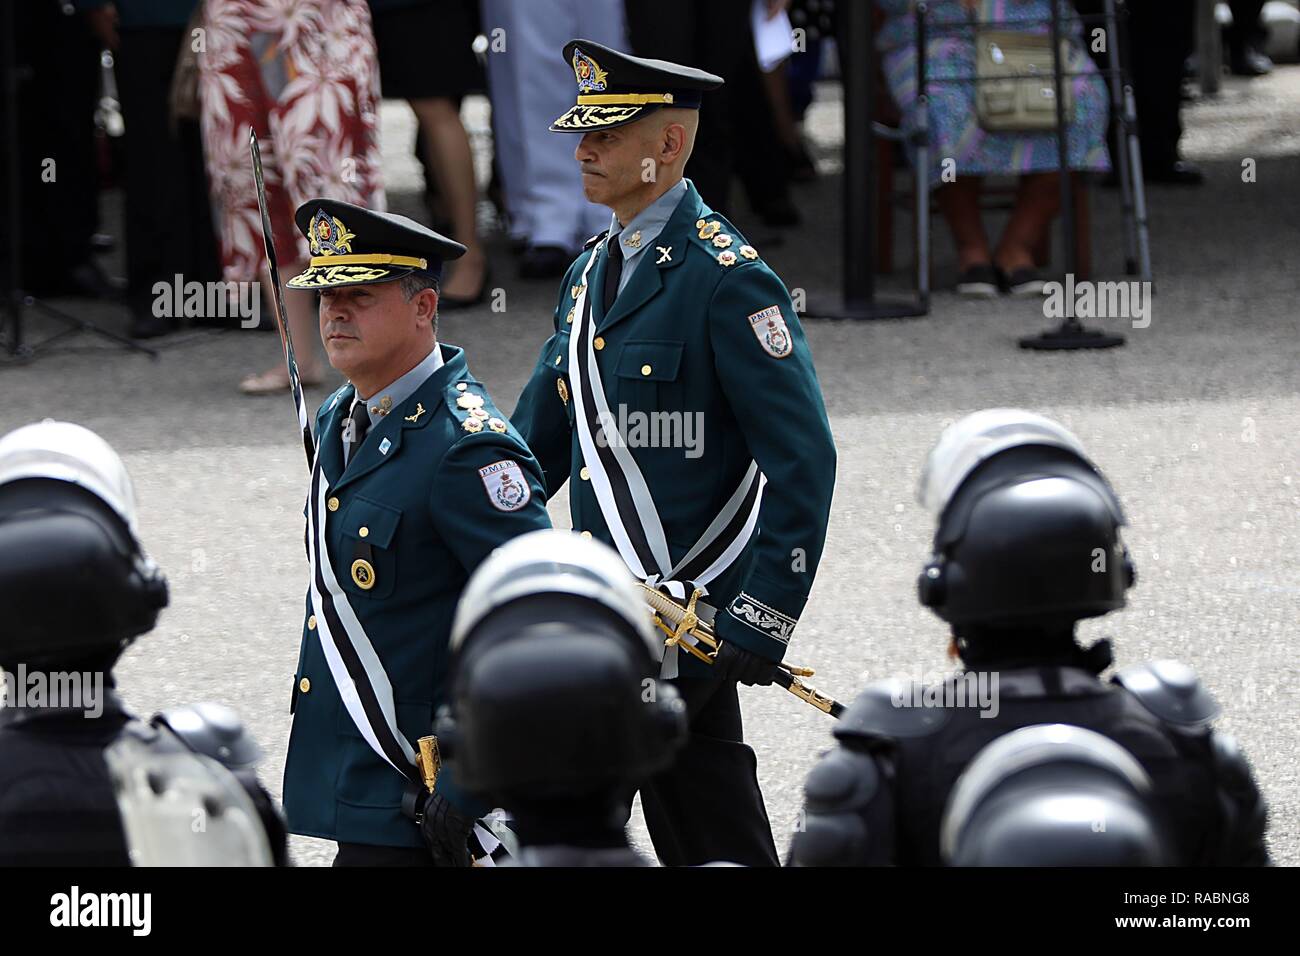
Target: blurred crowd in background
{"x":155,"y":97}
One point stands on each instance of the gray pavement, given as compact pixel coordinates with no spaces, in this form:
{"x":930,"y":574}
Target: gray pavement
{"x":1195,"y":420}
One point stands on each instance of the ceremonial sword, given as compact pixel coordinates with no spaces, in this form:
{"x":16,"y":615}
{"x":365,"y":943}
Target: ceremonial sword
{"x":680,"y":622}
{"x":281,"y":320}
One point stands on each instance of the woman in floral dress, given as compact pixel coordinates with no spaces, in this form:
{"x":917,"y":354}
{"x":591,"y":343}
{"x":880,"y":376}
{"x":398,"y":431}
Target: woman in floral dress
{"x":958,"y":140}
{"x":304,"y":75}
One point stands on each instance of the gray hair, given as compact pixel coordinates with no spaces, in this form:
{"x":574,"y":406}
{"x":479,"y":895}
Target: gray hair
{"x":413,"y":283}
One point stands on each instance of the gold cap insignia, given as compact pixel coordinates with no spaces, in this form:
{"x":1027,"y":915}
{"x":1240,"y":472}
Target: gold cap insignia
{"x":328,"y":236}
{"x":591,"y":78}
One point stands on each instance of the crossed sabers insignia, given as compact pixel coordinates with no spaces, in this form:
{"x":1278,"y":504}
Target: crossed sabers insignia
{"x":419,"y":410}
{"x":665,"y":254}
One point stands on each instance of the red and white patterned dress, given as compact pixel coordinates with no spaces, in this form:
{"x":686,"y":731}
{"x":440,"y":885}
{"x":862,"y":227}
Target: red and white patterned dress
{"x":304,"y":74}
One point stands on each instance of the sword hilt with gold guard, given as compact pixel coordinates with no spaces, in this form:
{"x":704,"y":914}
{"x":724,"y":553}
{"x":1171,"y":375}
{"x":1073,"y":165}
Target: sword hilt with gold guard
{"x":682,"y":622}
{"x":428,"y":761}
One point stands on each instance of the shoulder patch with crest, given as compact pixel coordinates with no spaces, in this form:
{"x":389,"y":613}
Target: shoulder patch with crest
{"x":772,"y":332}
{"x":506,"y":486}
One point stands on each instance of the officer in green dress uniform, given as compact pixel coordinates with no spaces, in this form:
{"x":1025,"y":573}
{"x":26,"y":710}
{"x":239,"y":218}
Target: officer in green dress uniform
{"x":678,"y":393}
{"x":417,"y":478}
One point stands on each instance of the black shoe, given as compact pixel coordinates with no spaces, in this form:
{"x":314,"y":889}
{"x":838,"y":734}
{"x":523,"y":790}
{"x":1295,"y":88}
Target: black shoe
{"x":544,"y":262}
{"x":978,"y":282}
{"x":146,"y":325}
{"x":1021,"y":283}
{"x":1249,"y":62}
{"x":102,"y":242}
{"x":1178,"y":173}
{"x":450,"y":303}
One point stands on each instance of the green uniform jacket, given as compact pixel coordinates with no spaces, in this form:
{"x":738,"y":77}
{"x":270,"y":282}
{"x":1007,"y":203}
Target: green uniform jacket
{"x":692,"y":332}
{"x":423,"y":504}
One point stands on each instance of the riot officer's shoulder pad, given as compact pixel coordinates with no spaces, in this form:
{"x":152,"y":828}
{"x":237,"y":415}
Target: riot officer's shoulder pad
{"x":891,"y":710}
{"x":1230,"y":762}
{"x":212,"y":730}
{"x":842,"y":779}
{"x":1171,"y":691}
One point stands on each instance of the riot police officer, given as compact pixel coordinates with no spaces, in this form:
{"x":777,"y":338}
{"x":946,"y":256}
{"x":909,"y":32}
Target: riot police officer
{"x":555,"y":712}
{"x":1027,"y":544}
{"x":1053,"y":795}
{"x":82,"y":781}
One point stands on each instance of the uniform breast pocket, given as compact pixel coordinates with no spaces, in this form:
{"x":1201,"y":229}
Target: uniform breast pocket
{"x":369,"y":548}
{"x":647,"y":374}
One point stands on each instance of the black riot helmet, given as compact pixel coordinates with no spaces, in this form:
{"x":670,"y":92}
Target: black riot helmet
{"x":1053,"y":795}
{"x":75,"y":585}
{"x":1028,"y":529}
{"x":553,"y":690}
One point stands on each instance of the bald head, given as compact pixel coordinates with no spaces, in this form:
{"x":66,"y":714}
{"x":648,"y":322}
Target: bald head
{"x":627,"y":167}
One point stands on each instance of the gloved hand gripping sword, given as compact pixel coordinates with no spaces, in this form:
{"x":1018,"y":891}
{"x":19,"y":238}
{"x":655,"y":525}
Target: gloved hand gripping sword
{"x":688,"y":631}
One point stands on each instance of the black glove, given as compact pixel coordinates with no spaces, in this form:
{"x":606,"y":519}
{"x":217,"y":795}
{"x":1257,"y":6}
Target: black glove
{"x":445,"y":831}
{"x":744,"y":667}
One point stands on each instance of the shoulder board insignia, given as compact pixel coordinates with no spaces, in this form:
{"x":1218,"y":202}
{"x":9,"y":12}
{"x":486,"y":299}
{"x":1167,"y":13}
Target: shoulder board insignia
{"x":727,"y":258}
{"x":722,"y":240}
{"x":472,"y":425}
{"x":749,"y":252}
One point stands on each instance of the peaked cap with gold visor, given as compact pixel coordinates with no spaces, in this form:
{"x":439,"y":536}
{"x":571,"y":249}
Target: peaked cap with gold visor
{"x":351,"y":245}
{"x":616,"y":88}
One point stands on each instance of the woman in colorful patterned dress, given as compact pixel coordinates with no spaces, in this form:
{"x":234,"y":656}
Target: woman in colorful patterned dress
{"x":956,"y":135}
{"x":304,"y":75}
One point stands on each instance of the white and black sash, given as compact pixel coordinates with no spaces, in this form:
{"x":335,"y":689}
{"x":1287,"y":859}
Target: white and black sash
{"x":360,"y":677}
{"x":622,"y":492}
{"x":358,"y":673}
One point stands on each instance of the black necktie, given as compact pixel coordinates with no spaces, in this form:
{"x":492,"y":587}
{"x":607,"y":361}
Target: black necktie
{"x":613,"y":271}
{"x":354,"y":430}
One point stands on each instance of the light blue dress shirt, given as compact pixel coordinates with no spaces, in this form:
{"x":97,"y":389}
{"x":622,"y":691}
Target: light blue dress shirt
{"x":648,"y":223}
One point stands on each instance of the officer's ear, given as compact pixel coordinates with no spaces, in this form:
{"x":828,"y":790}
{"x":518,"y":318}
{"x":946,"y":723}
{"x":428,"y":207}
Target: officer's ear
{"x":426,"y":307}
{"x":677,"y":135}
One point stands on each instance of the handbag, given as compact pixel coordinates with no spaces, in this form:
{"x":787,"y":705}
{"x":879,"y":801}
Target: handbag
{"x":1015,"y":87}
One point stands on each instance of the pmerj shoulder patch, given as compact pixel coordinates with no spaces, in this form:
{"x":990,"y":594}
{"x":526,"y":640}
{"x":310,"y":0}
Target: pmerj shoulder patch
{"x":506,"y":486}
{"x":772,"y":332}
